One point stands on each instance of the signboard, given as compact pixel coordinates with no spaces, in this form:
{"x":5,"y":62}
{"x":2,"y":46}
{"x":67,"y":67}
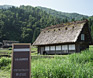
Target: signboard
{"x":21,"y":66}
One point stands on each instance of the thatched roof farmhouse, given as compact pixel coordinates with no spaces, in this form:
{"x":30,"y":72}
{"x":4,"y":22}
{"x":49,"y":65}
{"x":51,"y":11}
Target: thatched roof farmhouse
{"x":64,"y":38}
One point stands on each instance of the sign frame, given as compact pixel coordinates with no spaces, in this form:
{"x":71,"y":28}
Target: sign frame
{"x":29,"y":44}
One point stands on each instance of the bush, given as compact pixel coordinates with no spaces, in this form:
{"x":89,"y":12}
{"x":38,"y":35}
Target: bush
{"x":10,"y":48}
{"x":4,"y":61}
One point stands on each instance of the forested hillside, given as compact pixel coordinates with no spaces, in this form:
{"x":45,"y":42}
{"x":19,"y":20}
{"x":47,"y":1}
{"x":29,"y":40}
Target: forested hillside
{"x":64,"y":15}
{"x":5,"y":6}
{"x":91,"y":25}
{"x":24,"y":23}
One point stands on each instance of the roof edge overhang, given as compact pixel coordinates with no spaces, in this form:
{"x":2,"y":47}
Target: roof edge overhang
{"x":80,"y":31}
{"x":54,"y":44}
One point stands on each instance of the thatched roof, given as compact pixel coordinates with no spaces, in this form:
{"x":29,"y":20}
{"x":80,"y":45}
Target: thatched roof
{"x":60,"y":33}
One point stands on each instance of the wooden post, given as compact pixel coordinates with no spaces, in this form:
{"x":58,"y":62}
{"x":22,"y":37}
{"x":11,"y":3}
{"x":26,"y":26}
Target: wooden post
{"x":68,"y":48}
{"x":55,"y":49}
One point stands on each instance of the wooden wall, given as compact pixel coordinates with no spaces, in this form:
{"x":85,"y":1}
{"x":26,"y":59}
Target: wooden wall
{"x":84,"y":44}
{"x":87,"y":34}
{"x":41,"y":50}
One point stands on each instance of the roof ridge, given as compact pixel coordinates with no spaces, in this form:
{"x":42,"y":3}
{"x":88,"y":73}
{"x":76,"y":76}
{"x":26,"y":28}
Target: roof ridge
{"x":65,"y":24}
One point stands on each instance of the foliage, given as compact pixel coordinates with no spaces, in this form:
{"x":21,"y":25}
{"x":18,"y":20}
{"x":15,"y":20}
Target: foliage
{"x":63,"y":15}
{"x":73,"y":66}
{"x":4,"y":74}
{"x":91,"y":25}
{"x":23,"y":24}
{"x":5,"y":62}
{"x":5,"y":6}
{"x":9,"y":51}
{"x":77,"y":65}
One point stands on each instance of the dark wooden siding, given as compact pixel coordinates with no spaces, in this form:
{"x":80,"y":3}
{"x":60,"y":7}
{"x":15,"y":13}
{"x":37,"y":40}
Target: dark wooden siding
{"x":40,"y":50}
{"x":86,"y":32}
{"x":84,"y":44}
{"x":77,"y":47}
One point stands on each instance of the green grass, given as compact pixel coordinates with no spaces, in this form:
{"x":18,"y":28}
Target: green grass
{"x":5,"y":50}
{"x":33,"y":50}
{"x":5,"y":67}
{"x":77,"y":65}
{"x":4,"y":74}
{"x":73,"y":66}
{"x":9,"y":52}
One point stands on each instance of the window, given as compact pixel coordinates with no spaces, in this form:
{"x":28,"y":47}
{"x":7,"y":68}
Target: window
{"x":46,"y":48}
{"x":82,"y":37}
{"x":58,"y":47}
{"x":52,"y":48}
{"x":64,"y":47}
{"x":72,"y":47}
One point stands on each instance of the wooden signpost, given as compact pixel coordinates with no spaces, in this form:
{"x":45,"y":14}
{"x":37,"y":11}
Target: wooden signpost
{"x":21,"y":67}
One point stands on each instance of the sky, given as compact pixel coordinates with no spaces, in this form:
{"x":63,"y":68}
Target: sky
{"x":84,"y":7}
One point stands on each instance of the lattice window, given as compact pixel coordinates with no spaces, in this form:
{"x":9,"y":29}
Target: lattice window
{"x":52,"y":48}
{"x":46,"y":48}
{"x":64,"y":47}
{"x":58,"y":47}
{"x":72,"y":47}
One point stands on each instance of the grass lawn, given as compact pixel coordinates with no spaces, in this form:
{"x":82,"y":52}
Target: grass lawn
{"x":4,"y":74}
{"x":8,"y":52}
{"x":77,"y":65}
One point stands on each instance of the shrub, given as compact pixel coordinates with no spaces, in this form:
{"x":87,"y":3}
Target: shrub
{"x":4,"y":61}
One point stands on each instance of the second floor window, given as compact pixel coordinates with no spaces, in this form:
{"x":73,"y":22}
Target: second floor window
{"x":82,"y":37}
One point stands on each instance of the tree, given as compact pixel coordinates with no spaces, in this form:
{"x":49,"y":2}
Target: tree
{"x":73,"y":19}
{"x":35,"y":34}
